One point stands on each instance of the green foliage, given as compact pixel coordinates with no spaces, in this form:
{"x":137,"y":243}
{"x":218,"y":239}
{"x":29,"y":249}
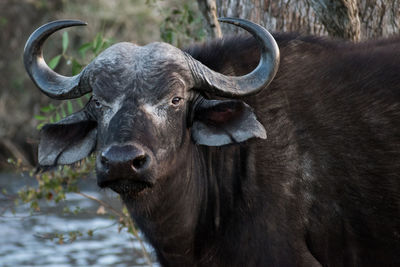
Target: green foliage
{"x":181,"y":26}
{"x":88,"y":50}
{"x":51,"y":113}
{"x":54,"y":61}
{"x":65,"y":41}
{"x":54,"y":185}
{"x":3,"y":21}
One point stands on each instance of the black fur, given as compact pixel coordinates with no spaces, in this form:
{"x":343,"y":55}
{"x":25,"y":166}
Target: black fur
{"x":322,"y":189}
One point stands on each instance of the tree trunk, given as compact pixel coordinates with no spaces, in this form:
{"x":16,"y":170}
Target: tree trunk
{"x":209,"y":10}
{"x":379,"y":18}
{"x":348,"y":19}
{"x":340,"y":18}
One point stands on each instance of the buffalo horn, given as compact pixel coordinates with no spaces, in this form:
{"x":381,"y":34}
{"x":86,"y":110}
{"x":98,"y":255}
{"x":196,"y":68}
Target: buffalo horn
{"x":49,"y":82}
{"x":251,"y":83}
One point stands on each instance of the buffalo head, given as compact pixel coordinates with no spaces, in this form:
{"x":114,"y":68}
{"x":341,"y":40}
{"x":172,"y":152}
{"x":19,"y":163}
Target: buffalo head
{"x":149,"y":105}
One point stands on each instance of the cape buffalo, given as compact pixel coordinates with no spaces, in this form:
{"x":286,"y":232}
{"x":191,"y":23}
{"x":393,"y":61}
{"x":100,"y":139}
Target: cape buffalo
{"x":223,"y":162}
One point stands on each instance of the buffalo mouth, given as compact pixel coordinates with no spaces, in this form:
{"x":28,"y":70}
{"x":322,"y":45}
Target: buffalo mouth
{"x":126,"y":187}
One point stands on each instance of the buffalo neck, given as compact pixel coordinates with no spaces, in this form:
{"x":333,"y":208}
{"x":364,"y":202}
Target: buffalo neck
{"x":227,"y":169}
{"x":195,"y":204}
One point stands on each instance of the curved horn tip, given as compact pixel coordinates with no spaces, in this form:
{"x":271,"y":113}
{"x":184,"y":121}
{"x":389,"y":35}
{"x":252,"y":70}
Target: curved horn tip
{"x":63,"y":23}
{"x":49,"y":82}
{"x":235,"y":21}
{"x":253,"y":82}
{"x":227,"y":19}
{"x":51,"y":27}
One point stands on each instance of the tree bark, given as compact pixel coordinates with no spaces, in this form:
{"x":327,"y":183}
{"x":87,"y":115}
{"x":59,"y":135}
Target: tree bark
{"x":348,"y":19}
{"x":275,"y":15}
{"x":209,"y":10}
{"x":379,"y":17}
{"x":340,"y":18}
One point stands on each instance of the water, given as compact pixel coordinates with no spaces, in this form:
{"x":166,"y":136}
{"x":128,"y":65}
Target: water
{"x":25,"y":239}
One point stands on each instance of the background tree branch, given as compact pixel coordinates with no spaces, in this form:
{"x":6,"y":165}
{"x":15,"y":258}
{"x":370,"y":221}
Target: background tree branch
{"x":209,"y":10}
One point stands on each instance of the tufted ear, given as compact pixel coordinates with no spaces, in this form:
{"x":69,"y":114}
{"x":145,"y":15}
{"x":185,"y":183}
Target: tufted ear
{"x":68,"y":140}
{"x":221,"y":122}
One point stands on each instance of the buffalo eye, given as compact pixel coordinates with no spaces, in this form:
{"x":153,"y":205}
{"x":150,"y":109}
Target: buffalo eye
{"x":176,"y":100}
{"x":97,"y":103}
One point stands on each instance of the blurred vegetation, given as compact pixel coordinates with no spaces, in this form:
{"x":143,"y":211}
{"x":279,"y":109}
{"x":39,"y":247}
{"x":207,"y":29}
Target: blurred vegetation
{"x":24,"y":110}
{"x":182,"y":26}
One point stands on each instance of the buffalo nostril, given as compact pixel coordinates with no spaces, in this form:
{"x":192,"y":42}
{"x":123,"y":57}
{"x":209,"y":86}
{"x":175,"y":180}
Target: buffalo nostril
{"x":139,"y":162}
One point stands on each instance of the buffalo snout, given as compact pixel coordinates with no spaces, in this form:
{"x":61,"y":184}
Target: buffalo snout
{"x":124,"y":164}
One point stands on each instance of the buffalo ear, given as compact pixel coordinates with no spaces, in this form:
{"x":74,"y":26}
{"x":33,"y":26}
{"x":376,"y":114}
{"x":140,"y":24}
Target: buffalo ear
{"x":221,"y":122}
{"x":68,"y":140}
